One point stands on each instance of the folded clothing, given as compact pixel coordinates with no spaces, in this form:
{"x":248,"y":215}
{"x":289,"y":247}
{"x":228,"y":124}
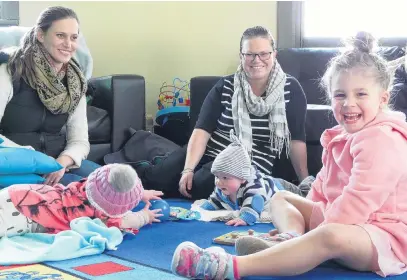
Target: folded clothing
{"x":225,"y":215}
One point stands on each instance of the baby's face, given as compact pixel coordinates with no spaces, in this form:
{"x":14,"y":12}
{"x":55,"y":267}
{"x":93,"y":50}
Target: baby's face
{"x":227,"y":184}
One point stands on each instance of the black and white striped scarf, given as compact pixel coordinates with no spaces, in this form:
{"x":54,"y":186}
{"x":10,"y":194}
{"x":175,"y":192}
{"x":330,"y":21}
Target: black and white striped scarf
{"x":244,"y":101}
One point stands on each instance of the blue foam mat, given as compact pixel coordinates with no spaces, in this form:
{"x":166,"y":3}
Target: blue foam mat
{"x":154,"y":246}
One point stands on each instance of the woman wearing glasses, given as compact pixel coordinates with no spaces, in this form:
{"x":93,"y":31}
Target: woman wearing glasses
{"x":264,"y":106}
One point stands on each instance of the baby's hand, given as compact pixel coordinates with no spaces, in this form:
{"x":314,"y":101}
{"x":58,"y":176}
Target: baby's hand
{"x":236,"y":222}
{"x":151,"y":194}
{"x":153,"y":215}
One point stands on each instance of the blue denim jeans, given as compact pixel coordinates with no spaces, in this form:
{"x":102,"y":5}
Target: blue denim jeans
{"x":75,"y":175}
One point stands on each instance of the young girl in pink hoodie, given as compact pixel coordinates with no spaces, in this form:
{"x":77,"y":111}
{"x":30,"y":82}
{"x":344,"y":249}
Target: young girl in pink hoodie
{"x":356,"y":211}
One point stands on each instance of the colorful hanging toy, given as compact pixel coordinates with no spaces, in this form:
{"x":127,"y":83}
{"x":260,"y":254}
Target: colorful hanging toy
{"x":174,"y":95}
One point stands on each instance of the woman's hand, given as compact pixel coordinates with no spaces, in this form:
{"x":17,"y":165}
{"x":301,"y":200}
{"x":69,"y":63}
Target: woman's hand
{"x":185,"y":183}
{"x":195,"y":150}
{"x":54,"y":177}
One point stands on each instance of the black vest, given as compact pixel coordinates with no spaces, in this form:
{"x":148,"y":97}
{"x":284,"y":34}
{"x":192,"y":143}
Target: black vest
{"x":27,"y":122}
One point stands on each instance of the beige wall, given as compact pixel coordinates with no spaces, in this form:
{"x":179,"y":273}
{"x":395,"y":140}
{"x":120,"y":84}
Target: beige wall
{"x":163,"y":40}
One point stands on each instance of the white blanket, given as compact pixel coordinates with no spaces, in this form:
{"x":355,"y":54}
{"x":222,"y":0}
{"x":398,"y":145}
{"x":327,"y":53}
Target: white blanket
{"x":225,"y":215}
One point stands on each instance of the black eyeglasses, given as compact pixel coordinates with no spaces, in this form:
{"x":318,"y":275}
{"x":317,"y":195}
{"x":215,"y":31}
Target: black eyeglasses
{"x":252,"y":56}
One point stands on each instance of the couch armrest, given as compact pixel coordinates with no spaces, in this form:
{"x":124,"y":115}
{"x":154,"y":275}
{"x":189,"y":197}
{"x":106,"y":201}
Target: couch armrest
{"x":199,"y":89}
{"x":319,"y":118}
{"x":123,"y":97}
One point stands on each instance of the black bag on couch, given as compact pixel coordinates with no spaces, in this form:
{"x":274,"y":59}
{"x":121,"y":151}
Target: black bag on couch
{"x":141,"y":146}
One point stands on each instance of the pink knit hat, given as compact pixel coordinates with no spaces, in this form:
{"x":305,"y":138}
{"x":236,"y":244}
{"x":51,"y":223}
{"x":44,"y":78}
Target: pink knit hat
{"x":114,"y":189}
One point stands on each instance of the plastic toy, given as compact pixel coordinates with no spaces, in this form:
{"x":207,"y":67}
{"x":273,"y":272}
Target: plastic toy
{"x":230,"y":238}
{"x":174,"y":95}
{"x":164,"y":206}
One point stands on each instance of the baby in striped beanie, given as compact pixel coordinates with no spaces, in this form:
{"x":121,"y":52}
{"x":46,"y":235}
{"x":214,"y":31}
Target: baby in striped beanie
{"x":239,"y":185}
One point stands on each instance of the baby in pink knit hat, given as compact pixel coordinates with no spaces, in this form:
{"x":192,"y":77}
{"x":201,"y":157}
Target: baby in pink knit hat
{"x":109,"y":193}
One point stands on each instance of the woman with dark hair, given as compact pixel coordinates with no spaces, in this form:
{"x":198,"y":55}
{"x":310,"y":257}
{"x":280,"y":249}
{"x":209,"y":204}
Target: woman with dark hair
{"x":42,"y":90}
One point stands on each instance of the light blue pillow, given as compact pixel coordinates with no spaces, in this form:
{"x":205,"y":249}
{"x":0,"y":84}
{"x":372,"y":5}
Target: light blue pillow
{"x":8,"y":180}
{"x":1,"y":140}
{"x":26,"y":161}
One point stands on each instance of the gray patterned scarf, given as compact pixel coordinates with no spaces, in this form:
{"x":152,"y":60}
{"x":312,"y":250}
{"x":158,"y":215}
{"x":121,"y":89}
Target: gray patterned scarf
{"x":244,"y":101}
{"x":57,"y":98}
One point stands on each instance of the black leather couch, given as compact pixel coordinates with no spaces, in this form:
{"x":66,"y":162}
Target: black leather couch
{"x":116,"y":103}
{"x":307,"y":65}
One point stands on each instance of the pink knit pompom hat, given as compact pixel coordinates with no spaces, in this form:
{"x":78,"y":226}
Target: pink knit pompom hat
{"x":114,"y":189}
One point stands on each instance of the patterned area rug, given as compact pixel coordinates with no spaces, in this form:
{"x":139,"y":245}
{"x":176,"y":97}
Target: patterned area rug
{"x":147,"y":256}
{"x":101,"y":267}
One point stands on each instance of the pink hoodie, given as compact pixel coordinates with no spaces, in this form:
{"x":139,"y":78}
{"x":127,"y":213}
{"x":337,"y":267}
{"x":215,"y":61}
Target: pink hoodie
{"x":364,"y":178}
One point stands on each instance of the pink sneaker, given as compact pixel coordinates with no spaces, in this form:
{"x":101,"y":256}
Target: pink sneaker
{"x":193,"y":262}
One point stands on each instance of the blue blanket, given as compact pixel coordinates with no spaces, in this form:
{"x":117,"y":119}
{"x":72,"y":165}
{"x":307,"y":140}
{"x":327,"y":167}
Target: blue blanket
{"x":86,"y":237}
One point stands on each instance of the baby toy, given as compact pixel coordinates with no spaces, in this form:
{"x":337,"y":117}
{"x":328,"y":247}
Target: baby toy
{"x":163,"y":205}
{"x":231,"y":237}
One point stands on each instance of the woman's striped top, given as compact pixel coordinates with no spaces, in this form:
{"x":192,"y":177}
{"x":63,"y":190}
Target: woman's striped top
{"x":215,"y":117}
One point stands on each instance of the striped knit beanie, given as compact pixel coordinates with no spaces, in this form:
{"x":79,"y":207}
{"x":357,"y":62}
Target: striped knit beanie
{"x":234,"y":160}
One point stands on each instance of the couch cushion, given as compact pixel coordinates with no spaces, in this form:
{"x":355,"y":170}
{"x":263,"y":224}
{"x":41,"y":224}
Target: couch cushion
{"x":308,"y":65}
{"x":99,"y":125}
{"x":8,"y":180}
{"x":100,"y":93}
{"x":399,"y":90}
{"x":26,"y":161}
{"x":319,"y":118}
{"x":200,"y":87}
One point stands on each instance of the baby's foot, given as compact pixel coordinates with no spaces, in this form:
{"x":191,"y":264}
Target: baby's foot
{"x":191,"y":261}
{"x":247,"y":245}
